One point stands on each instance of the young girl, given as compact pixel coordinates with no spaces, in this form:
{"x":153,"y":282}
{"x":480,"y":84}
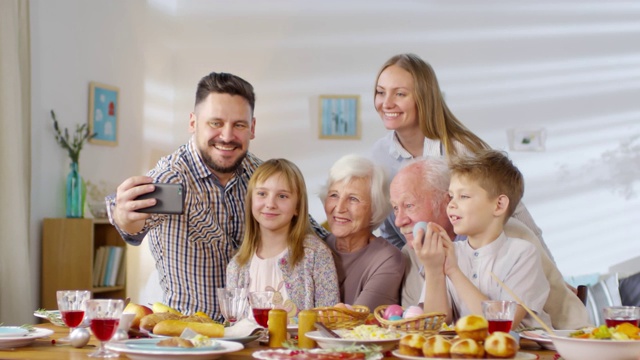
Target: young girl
{"x":279,"y":252}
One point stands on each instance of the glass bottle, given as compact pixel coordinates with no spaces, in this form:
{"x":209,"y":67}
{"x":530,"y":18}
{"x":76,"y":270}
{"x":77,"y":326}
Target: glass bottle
{"x":75,"y":193}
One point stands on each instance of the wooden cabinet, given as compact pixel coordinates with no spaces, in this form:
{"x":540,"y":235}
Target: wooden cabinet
{"x":68,"y":251}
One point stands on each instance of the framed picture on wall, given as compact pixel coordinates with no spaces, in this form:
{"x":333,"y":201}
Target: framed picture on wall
{"x":103,"y":113}
{"x":339,"y":117}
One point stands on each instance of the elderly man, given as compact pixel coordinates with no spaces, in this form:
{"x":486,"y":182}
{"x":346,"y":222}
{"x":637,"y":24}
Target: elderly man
{"x":419,"y":192}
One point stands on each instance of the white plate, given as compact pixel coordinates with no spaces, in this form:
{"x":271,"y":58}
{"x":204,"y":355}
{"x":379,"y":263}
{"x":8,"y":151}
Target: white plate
{"x":281,"y":353}
{"x":24,"y":340}
{"x":239,"y":339}
{"x":143,"y":349}
{"x":326,"y":342}
{"x":54,"y":317}
{"x":519,"y":356}
{"x":12,"y":331}
{"x":292,"y":329}
{"x":539,"y":336}
{"x":594,"y":349}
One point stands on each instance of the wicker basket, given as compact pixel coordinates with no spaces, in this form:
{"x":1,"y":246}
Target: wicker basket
{"x":339,"y":318}
{"x":426,"y":324}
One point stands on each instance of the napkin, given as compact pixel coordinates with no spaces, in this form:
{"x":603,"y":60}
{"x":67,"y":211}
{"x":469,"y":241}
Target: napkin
{"x":242,"y":328}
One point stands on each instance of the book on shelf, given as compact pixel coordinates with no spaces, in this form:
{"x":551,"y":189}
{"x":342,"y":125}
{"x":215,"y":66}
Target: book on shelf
{"x":113,"y":275}
{"x":98,"y":264}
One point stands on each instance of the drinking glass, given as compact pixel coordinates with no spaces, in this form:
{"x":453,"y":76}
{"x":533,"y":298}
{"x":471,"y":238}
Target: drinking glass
{"x":233,"y":303}
{"x":104,"y":316}
{"x":616,"y":315}
{"x":71,"y":304}
{"x":499,"y":314}
{"x":261,"y":302}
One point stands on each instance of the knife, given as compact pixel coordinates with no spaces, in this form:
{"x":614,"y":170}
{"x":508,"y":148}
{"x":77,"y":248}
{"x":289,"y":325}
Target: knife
{"x":326,"y":331}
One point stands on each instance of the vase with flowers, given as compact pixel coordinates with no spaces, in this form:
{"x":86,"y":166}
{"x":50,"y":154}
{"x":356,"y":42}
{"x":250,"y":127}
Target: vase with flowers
{"x":75,"y":185}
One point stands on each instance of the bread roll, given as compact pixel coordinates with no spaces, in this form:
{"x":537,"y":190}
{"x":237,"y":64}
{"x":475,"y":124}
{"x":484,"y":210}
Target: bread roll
{"x":501,"y":345}
{"x":175,"y":342}
{"x":411,"y":344}
{"x":472,"y":327}
{"x":436,"y":346}
{"x":175,"y":328}
{"x":466,"y":349}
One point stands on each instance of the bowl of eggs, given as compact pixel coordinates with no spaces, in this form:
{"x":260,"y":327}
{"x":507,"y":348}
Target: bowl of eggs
{"x":410,"y":320}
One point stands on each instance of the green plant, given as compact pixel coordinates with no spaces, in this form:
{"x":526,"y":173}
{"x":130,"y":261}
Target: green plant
{"x":72,"y":145}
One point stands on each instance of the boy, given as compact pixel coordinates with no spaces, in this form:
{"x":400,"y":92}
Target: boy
{"x":484,"y":192}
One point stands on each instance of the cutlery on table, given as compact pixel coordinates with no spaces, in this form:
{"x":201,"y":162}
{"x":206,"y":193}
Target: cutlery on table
{"x":326,"y":331}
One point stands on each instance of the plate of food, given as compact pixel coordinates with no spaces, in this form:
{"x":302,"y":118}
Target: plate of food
{"x":24,"y":339}
{"x":619,"y":343}
{"x":539,"y":336}
{"x":519,"y":356}
{"x":148,"y":349}
{"x":359,"y":353}
{"x":360,"y":335}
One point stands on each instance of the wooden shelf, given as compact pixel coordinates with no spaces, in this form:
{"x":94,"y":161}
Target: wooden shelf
{"x":68,"y":250}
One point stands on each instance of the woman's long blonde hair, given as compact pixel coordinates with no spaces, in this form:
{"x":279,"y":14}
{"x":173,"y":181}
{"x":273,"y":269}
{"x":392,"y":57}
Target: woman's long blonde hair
{"x":436,"y":121}
{"x":300,"y":226}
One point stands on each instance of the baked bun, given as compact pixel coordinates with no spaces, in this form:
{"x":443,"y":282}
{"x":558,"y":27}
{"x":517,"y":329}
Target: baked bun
{"x":466,"y":349}
{"x":411,"y":344}
{"x":175,"y":342}
{"x":436,"y":346}
{"x":472,"y":327}
{"x":500,"y":345}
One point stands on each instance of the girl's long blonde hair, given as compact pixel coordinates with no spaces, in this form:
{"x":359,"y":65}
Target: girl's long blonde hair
{"x":300,"y":226}
{"x":436,"y":121}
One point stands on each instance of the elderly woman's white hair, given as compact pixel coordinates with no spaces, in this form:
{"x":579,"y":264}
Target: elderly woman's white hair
{"x":357,"y":166}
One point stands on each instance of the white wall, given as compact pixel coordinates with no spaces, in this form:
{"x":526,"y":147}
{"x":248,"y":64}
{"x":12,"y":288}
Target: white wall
{"x":571,"y":67}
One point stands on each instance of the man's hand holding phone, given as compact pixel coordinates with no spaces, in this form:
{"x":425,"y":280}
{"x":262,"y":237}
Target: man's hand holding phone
{"x":131,"y":197}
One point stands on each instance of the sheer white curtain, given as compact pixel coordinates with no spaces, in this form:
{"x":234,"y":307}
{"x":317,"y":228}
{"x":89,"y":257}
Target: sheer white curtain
{"x":17,"y":277}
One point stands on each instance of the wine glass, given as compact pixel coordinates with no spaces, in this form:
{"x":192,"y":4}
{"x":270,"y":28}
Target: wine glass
{"x":233,"y":303}
{"x":104,"y":316}
{"x":71,"y":304}
{"x":261,"y":302}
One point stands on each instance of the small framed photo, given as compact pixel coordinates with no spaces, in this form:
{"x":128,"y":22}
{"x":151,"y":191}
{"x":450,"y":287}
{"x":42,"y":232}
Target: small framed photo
{"x":103,"y":113}
{"x":527,"y":140}
{"x":339,"y":117}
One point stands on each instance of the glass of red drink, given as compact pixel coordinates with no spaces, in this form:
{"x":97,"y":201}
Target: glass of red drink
{"x":71,"y":304}
{"x":104,"y":317}
{"x":616,"y":315}
{"x":499,"y":314}
{"x":261,"y":302}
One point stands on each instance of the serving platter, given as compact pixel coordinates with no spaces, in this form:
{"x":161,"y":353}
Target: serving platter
{"x":285,"y":354}
{"x":540,"y":337}
{"x":12,"y":331}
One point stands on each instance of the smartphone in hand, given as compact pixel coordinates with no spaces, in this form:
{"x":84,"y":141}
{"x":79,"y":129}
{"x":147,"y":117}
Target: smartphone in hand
{"x":169,"y":199}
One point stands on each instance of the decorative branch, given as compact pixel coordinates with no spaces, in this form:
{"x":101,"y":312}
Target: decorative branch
{"x":72,"y":145}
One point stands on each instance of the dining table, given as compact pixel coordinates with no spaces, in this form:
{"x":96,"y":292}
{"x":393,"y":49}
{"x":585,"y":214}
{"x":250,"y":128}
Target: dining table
{"x":50,"y":348}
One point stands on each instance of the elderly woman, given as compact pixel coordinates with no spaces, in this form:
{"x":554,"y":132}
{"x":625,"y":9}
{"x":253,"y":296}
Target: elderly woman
{"x":356,"y":201}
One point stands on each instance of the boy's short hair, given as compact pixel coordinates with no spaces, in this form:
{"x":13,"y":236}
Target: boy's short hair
{"x":494,"y":172}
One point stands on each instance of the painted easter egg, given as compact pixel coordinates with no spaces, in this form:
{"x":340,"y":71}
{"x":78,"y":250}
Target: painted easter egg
{"x":392,"y":310}
{"x":420,"y":225}
{"x":412,"y":311}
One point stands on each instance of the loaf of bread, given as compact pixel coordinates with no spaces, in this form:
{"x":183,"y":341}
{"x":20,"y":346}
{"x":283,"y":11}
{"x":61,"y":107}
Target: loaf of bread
{"x":176,"y":327}
{"x":148,"y":322}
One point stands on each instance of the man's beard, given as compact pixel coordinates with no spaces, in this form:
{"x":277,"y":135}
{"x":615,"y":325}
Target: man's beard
{"x":222,"y":169}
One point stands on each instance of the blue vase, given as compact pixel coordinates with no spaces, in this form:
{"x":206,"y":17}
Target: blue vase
{"x":75,"y":193}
